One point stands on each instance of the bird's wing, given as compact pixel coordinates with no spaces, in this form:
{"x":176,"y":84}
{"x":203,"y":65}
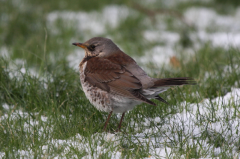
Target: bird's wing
{"x":113,"y":78}
{"x":130,"y":64}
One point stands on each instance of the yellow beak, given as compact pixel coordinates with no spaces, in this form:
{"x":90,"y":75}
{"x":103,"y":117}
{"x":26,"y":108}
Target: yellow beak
{"x":80,"y":45}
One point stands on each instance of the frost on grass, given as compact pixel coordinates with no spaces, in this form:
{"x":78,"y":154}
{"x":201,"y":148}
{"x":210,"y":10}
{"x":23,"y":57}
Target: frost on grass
{"x":98,"y":145}
{"x":4,"y":52}
{"x":93,"y":23}
{"x":211,"y":126}
{"x":210,"y":27}
{"x":87,"y":25}
{"x":75,"y":58}
{"x":220,"y":30}
{"x":17,"y":69}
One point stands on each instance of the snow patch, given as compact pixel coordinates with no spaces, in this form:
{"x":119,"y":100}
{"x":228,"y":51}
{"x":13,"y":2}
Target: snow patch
{"x":187,"y":125}
{"x":93,"y":23}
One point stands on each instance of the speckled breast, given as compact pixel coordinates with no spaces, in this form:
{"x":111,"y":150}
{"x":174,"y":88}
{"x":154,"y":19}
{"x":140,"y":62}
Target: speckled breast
{"x":97,"y":97}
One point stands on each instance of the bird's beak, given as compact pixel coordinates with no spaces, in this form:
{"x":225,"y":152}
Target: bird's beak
{"x":80,"y":45}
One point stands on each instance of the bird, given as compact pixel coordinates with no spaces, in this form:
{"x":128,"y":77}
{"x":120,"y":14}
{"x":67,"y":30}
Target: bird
{"x":113,"y":82}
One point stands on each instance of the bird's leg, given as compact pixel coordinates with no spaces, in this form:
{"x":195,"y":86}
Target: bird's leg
{"x":120,"y":124}
{"x":105,"y":126}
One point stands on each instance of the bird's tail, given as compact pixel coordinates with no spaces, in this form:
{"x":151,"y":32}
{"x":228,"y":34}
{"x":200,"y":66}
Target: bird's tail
{"x":173,"y":82}
{"x":161,"y":85}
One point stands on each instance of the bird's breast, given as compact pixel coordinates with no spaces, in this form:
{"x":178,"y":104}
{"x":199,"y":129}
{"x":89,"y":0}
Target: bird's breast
{"x":97,"y":97}
{"x":103,"y":100}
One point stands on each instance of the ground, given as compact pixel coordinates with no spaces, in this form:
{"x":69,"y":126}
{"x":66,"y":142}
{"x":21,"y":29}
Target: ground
{"x":45,"y":114}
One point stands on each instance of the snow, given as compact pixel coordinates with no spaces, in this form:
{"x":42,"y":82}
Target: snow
{"x":43,"y":118}
{"x":202,"y":18}
{"x":2,"y":154}
{"x":191,"y":122}
{"x":221,"y":39}
{"x":75,"y":58}
{"x":170,"y":38}
{"x":220,"y":30}
{"x":93,"y":23}
{"x":210,"y":27}
{"x":159,"y":55}
{"x":6,"y":106}
{"x":206,"y":18}
{"x":17,"y":68}
{"x":4,"y":52}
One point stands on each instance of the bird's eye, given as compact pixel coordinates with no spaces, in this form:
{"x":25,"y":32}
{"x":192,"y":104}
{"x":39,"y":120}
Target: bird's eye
{"x":92,"y":47}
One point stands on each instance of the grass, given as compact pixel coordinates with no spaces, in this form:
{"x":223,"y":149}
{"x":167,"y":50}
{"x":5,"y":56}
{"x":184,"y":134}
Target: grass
{"x":47,"y":115}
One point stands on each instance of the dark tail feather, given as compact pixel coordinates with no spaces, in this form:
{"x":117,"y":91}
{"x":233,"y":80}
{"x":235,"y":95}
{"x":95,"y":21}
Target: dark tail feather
{"x":161,"y":99}
{"x":174,"y":81}
{"x":139,"y":96}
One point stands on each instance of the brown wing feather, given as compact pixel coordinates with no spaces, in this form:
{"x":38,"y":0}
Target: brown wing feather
{"x":111,"y":77}
{"x":127,"y":62}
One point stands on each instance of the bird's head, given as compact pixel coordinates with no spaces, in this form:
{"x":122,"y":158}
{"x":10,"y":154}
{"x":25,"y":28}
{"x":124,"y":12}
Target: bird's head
{"x":98,"y":46}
